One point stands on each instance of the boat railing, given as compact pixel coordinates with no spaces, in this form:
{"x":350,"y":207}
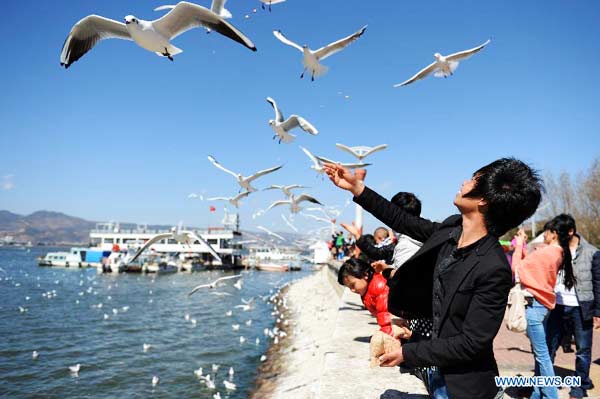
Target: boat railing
{"x":159,"y":231}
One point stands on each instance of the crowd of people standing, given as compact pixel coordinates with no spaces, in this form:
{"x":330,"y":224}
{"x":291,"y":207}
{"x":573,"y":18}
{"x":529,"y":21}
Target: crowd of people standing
{"x":447,"y":283}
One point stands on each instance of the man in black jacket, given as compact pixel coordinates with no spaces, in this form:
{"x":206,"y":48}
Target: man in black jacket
{"x":460,"y":277}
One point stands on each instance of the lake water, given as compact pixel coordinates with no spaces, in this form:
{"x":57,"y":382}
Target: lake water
{"x":68,"y":326}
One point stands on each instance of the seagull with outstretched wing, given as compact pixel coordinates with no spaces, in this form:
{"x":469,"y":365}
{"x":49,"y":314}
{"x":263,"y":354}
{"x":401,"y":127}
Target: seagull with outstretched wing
{"x":282,"y":126}
{"x":246,"y":304}
{"x":244,"y":181}
{"x":289,"y":223}
{"x":213,"y":284}
{"x":443,"y":66}
{"x":294,"y":202}
{"x":317,"y":217}
{"x":361,"y":152}
{"x":286,"y":189}
{"x":311,"y":58}
{"x":217,"y":6}
{"x":318,"y":161}
{"x":235,"y":201}
{"x":269,"y":232}
{"x":186,"y":237}
{"x":154,"y":36}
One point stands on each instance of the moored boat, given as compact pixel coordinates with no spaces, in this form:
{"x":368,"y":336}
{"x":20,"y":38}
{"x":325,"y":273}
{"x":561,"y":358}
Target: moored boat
{"x":272,"y":267}
{"x":76,"y":257}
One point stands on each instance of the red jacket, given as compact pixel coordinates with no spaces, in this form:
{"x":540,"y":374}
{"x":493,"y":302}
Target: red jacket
{"x":376,"y":299}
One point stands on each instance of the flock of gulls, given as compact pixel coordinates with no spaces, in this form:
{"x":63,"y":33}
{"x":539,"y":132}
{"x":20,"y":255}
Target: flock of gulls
{"x":157,"y":36}
{"x":208,"y":377}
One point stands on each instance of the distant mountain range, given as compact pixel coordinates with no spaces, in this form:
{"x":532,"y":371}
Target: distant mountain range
{"x":44,"y":227}
{"x":56,"y":228}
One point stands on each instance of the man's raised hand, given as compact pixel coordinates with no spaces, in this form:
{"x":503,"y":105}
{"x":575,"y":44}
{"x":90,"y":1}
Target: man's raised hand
{"x":343,"y":178}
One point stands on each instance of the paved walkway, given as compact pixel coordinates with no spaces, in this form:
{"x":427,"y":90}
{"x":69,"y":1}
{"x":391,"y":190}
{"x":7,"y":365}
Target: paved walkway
{"x":346,"y":372}
{"x":345,"y":368}
{"x":327,"y":355}
{"x":514,"y":357}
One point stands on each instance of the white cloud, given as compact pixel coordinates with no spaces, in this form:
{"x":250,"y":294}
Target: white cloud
{"x":6,"y":182}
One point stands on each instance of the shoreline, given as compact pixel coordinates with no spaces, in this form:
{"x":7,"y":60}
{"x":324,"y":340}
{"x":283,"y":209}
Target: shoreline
{"x":293,"y":368}
{"x":327,"y":350}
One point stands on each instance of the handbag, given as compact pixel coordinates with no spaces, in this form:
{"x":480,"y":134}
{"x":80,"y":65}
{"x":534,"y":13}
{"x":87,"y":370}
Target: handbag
{"x":515,"y":308}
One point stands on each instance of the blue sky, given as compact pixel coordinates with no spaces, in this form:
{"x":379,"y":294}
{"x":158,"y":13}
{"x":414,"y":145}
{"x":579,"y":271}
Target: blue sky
{"x":124,"y":135}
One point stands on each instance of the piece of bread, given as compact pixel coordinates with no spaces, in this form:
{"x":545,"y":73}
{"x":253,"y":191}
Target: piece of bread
{"x":382,"y":343}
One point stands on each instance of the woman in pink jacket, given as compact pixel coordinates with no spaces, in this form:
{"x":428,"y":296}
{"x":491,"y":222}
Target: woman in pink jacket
{"x":537,"y":273}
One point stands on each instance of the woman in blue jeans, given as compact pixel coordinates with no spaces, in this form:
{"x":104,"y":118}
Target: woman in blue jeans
{"x":537,"y":273}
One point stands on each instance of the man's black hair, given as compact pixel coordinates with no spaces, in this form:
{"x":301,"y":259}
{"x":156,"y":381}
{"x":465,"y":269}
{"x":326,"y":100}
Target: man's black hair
{"x":512,"y":191}
{"x":408,"y":202}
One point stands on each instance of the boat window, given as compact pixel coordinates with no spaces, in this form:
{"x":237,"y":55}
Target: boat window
{"x":213,"y":241}
{"x":109,"y":240}
{"x":171,"y":241}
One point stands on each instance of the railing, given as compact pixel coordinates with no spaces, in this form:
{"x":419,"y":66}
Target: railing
{"x":210,"y":230}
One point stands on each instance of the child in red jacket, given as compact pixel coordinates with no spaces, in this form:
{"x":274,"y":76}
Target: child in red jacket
{"x":361,"y":279}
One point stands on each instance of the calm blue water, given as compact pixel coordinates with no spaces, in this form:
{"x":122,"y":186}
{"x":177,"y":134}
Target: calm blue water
{"x":113,"y":363}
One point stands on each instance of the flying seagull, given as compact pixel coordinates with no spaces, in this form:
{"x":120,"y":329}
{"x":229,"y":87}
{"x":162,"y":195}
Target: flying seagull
{"x":244,"y":181}
{"x":213,"y":284}
{"x":286,"y":189}
{"x":183,"y":236}
{"x":291,"y":226}
{"x":311,"y":58}
{"x":217,"y":6}
{"x":361,"y":152}
{"x":269,"y":2}
{"x":317,"y":165}
{"x":333,"y":211}
{"x":153,"y":36}
{"x":330,"y":221}
{"x":281,"y":127}
{"x":294,"y":202}
{"x":269,"y":232}
{"x":247,"y":304}
{"x":443,"y":65}
{"x":235,"y":201}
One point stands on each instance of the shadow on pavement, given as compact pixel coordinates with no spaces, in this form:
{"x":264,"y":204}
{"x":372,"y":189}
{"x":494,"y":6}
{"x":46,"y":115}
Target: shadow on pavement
{"x":394,"y":394}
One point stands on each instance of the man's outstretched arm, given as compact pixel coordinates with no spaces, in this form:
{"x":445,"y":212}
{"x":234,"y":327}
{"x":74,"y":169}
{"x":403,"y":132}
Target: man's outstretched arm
{"x":394,"y":217}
